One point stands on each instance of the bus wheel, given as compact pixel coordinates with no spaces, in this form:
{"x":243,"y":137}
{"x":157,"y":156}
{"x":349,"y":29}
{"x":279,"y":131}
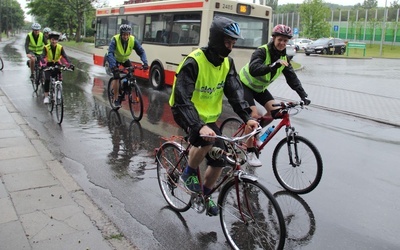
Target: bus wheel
{"x":156,"y":77}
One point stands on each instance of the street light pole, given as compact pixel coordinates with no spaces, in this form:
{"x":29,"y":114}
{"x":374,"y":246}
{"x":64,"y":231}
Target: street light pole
{"x":383,"y":28}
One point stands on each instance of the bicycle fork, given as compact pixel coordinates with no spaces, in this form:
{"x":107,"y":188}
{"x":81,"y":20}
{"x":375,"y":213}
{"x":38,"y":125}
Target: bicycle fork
{"x":293,"y":152}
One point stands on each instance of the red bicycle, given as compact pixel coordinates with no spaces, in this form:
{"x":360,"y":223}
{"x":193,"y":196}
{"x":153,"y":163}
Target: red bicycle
{"x":296,"y":162}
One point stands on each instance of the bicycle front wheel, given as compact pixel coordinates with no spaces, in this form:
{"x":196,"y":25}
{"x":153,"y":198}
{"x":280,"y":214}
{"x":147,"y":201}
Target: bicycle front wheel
{"x":110,"y":94}
{"x":170,"y":164}
{"x":297,"y":165}
{"x":59,"y":102}
{"x":1,"y":63}
{"x":136,"y":102}
{"x":250,"y":216}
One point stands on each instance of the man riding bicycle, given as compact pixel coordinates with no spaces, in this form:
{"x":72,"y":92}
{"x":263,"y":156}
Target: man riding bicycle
{"x":202,"y":79}
{"x":267,"y":63}
{"x":34,"y":44}
{"x":120,"y":49}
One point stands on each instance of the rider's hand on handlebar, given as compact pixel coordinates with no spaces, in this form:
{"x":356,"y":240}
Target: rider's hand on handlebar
{"x":252,"y":124}
{"x":306,"y":101}
{"x":115,"y":72}
{"x":206,"y":130}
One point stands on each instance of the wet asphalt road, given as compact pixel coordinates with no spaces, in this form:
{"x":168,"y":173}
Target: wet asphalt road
{"x":356,"y":205}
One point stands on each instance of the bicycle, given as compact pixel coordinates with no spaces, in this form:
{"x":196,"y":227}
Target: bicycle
{"x":128,"y":88}
{"x":298,"y":166}
{"x":55,"y":91}
{"x":1,"y":63}
{"x":250,"y":216}
{"x":38,"y":76}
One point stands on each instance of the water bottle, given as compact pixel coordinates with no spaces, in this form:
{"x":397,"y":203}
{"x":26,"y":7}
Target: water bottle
{"x":124,"y":82}
{"x":264,"y":133}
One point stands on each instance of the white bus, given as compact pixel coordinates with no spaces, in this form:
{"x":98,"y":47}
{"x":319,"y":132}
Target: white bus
{"x":170,"y":30}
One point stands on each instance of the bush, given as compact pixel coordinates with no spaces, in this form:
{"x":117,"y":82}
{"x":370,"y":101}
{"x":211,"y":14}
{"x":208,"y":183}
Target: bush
{"x":89,"y":39}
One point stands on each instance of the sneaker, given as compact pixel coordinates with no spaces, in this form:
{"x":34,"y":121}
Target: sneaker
{"x":117,"y":104}
{"x":32,"y":77}
{"x":191,"y":182}
{"x":46,"y":100}
{"x":211,"y":207}
{"x":252,"y":160}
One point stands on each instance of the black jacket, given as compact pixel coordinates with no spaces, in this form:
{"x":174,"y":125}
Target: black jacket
{"x":185,"y":113}
{"x":258,"y":68}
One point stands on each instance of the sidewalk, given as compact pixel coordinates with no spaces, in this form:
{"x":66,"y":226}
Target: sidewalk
{"x":42,"y":207}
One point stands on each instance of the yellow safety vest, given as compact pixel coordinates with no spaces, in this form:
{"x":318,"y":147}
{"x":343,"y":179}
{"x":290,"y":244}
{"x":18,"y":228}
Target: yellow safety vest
{"x":57,"y":56}
{"x":122,"y":55}
{"x":36,"y":48}
{"x":209,"y":87}
{"x":260,"y":83}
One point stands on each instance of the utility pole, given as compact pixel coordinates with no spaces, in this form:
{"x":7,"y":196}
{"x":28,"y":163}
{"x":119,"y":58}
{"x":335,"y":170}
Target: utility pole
{"x":1,"y":3}
{"x":383,"y":29}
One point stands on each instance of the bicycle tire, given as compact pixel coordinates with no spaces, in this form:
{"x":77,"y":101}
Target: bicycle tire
{"x":299,"y":218}
{"x":170,"y":164}
{"x":110,"y":94}
{"x":1,"y":63}
{"x":265,"y":225}
{"x":304,"y":177}
{"x":59,"y":103}
{"x":135,"y":101}
{"x":232,"y":127}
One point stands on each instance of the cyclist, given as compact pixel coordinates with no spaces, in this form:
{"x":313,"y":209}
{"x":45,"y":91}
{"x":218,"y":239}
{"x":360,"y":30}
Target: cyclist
{"x":34,"y":44}
{"x":120,"y":49}
{"x":53,"y":53}
{"x":267,"y":63}
{"x":202,"y":79}
{"x":46,"y":32}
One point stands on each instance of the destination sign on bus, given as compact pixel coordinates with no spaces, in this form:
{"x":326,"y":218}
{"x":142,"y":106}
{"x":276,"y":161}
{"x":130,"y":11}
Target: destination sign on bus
{"x":243,"y":9}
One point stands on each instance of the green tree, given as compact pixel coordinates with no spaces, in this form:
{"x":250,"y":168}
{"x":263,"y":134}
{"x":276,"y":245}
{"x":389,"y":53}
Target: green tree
{"x":313,"y":14}
{"x":370,"y":4}
{"x":11,"y":16}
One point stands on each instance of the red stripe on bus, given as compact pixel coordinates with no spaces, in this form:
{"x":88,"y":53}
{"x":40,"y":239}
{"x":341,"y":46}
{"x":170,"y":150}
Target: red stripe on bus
{"x":148,"y":8}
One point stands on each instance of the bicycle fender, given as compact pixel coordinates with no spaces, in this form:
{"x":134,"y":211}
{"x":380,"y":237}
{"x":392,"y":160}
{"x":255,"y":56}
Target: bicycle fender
{"x":159,"y":150}
{"x":242,"y":175}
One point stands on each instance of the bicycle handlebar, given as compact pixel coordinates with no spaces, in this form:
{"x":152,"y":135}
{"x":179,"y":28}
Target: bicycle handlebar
{"x":286,"y":105}
{"x":60,"y":67}
{"x":235,"y":139}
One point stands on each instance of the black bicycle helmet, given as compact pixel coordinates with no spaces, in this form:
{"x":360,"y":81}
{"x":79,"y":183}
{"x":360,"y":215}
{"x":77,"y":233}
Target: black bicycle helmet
{"x":221,"y":27}
{"x":282,"y":30}
{"x":125,"y":28}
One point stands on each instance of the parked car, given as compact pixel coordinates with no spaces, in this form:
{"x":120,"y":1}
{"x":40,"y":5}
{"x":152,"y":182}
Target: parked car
{"x":63,"y":37}
{"x":301,"y":43}
{"x":290,"y":49}
{"x":326,"y":46}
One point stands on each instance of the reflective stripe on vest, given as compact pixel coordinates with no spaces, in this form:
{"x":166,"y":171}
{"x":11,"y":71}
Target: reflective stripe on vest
{"x":122,"y":55}
{"x":260,"y":83}
{"x":57,"y":56}
{"x":36,"y":48}
{"x":209,"y":87}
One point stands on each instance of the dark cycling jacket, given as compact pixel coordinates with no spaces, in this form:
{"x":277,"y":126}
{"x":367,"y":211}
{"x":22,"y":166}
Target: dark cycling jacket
{"x":258,"y":68}
{"x":184,"y":109}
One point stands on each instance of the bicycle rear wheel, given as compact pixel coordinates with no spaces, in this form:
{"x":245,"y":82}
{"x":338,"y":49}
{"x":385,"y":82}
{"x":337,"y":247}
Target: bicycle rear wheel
{"x":50,"y":105}
{"x":136,"y":102}
{"x":59,"y":102}
{"x":1,"y":63}
{"x":110,"y":94}
{"x":170,"y":164}
{"x":304,"y":174}
{"x":255,"y":220}
{"x":232,"y":127}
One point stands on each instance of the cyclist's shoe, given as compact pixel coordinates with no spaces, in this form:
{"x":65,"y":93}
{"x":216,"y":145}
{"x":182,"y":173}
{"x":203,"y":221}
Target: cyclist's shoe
{"x":46,"y":100}
{"x":191,"y":182}
{"x":211,"y":207}
{"x":32,"y":77}
{"x":117,"y":104}
{"x":252,"y":160}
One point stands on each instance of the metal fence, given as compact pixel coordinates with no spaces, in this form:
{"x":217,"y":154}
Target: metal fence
{"x":353,"y":25}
